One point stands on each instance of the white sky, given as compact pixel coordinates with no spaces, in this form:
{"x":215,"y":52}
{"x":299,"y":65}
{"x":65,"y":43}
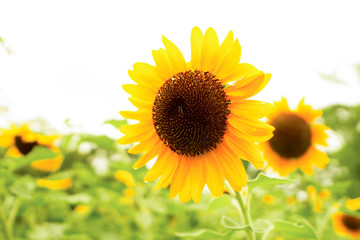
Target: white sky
{"x":70,"y":58}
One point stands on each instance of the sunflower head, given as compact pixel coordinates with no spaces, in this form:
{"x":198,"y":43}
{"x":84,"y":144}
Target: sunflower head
{"x":346,"y":225}
{"x":195,"y":117}
{"x":295,"y":139}
{"x":20,"y":141}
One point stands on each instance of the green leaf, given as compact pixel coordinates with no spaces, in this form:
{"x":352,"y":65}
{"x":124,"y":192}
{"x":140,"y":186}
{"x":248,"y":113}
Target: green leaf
{"x":116,"y":123}
{"x":266,"y":182}
{"x":219,"y":202}
{"x":204,"y":234}
{"x":291,"y":230}
{"x":259,"y":226}
{"x":23,"y":188}
{"x":80,"y":198}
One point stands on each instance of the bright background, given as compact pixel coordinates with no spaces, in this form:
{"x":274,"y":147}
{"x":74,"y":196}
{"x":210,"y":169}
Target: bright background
{"x":70,"y":58}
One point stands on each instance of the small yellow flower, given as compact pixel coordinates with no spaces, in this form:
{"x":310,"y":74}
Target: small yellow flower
{"x":314,"y":198}
{"x":312,"y":192}
{"x":268,"y":199}
{"x":125,"y":177}
{"x":295,"y":140}
{"x":82,"y":209}
{"x":129,"y":192}
{"x":128,"y":198}
{"x":61,"y":184}
{"x":346,"y":225}
{"x":291,"y":200}
{"x":353,"y":204}
{"x":324,"y":194}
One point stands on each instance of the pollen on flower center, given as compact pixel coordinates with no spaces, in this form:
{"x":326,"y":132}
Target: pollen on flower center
{"x":351,"y":222}
{"x":24,"y":147}
{"x":190,"y":112}
{"x":292,"y":136}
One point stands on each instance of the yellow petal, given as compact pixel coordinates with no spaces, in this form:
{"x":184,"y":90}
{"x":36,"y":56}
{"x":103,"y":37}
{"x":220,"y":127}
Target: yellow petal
{"x":318,"y":134}
{"x":144,"y":145}
{"x":196,"y":46}
{"x":239,"y":72}
{"x":140,"y":136}
{"x":307,"y":112}
{"x":232,"y":170}
{"x":250,"y":109}
{"x":214,"y":176}
{"x":177,"y":60}
{"x":140,"y":92}
{"x":180,"y":176}
{"x":245,"y":150}
{"x":141,"y":103}
{"x":185,"y":192}
{"x":209,"y":51}
{"x":148,"y":74}
{"x":230,"y":62}
{"x":252,"y":126}
{"x":166,"y":177}
{"x":147,"y":156}
{"x":197,"y":175}
{"x":141,"y":115}
{"x":160,"y":166}
{"x":248,"y":87}
{"x":163,"y":64}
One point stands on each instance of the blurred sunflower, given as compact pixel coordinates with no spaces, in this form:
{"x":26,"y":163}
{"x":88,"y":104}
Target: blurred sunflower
{"x":194,"y":116}
{"x":346,"y":225}
{"x":295,"y":138}
{"x":21,"y":141}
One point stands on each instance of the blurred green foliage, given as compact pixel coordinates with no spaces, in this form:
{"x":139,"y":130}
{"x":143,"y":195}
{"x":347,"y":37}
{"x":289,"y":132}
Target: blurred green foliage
{"x":96,"y":206}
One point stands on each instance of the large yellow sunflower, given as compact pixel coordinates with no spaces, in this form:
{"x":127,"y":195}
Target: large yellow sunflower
{"x":20,"y":141}
{"x":295,"y":138}
{"x":198,"y":128}
{"x":346,"y":225}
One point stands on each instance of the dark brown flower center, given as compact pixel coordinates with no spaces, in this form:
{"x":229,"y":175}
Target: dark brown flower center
{"x":24,"y":147}
{"x":190,"y":112}
{"x":351,"y":222}
{"x":292,"y":136}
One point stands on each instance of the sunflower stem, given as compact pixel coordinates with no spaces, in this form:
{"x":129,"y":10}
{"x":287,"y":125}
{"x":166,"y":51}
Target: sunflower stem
{"x":6,"y":227}
{"x":246,"y":215}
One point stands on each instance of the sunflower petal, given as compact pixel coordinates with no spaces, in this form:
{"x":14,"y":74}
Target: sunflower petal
{"x":214,"y":176}
{"x":307,"y":112}
{"x":163,"y":64}
{"x":318,"y":134}
{"x":197,"y":176}
{"x":147,"y":156}
{"x":140,"y":92}
{"x":180,"y":176}
{"x":177,"y":60}
{"x":209,"y":51}
{"x":248,"y":87}
{"x":196,"y":46}
{"x":148,"y":74}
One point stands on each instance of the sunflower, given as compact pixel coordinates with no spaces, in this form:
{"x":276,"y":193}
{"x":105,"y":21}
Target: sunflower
{"x":295,"y":138}
{"x":195,"y":116}
{"x":346,"y":225}
{"x":21,"y":141}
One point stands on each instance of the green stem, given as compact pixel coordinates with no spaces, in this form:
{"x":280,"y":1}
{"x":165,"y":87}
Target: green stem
{"x":6,"y":227}
{"x":13,"y":213}
{"x":246,"y":215}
